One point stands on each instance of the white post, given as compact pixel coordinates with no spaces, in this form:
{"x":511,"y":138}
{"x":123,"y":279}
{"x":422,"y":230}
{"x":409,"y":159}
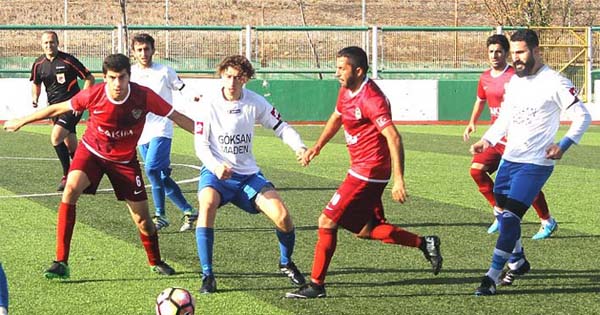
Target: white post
{"x":65,"y":43}
{"x":589,"y":64}
{"x":248,"y":43}
{"x":374,"y":53}
{"x":499,"y":30}
{"x":120,"y":38}
{"x":167,"y":37}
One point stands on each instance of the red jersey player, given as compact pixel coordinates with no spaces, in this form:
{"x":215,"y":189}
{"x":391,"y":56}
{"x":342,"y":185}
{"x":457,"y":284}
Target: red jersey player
{"x":491,"y":90}
{"x":376,"y":152}
{"x":117,"y":112}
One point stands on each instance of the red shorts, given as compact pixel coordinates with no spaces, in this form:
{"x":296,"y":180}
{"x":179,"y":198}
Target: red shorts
{"x":490,"y":157}
{"x":355,"y":203}
{"x":126,"y":179}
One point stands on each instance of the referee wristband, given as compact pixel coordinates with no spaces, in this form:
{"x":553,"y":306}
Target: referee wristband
{"x":565,"y":143}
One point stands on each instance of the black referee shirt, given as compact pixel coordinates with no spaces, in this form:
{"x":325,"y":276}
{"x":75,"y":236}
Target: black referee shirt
{"x":59,"y":76}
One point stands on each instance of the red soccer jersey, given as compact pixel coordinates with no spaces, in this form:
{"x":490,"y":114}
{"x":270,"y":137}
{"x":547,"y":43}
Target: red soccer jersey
{"x":113,"y":128}
{"x":491,"y":89}
{"x":364,"y":115}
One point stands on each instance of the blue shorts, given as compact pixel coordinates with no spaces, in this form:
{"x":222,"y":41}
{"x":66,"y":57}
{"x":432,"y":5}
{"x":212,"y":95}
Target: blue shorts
{"x":241,"y":190}
{"x":521,"y":181}
{"x":156,"y":154}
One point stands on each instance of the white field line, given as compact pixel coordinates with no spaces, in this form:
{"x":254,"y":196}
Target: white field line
{"x":184,"y":181}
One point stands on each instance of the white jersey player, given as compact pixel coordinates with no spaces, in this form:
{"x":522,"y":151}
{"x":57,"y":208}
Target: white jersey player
{"x":155,"y":142}
{"x":223,"y":139}
{"x":530,"y":118}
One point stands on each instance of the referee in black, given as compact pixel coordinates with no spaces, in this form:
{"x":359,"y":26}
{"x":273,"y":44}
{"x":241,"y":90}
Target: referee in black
{"x":58,"y":71}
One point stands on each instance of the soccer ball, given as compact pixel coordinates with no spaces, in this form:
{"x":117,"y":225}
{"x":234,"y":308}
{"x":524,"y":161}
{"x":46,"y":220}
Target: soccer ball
{"x":175,"y":301}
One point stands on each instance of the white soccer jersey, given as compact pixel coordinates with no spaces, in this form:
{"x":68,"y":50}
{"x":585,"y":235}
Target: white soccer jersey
{"x":163,"y":80}
{"x":530,"y":116}
{"x":224,"y":131}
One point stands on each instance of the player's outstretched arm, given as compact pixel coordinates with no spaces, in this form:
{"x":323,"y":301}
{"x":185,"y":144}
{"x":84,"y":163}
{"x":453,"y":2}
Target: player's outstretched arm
{"x":182,"y":121}
{"x":471,"y":127}
{"x":334,"y":123}
{"x":50,"y":111}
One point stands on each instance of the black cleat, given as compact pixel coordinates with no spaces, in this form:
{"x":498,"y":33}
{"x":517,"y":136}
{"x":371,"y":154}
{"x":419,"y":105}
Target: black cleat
{"x":62,"y":184}
{"x":292,"y":272}
{"x":308,"y":291}
{"x":487,"y":287}
{"x":58,"y":269}
{"x":509,"y":276}
{"x":162,"y":268}
{"x":430,"y":246}
{"x":209,"y":284}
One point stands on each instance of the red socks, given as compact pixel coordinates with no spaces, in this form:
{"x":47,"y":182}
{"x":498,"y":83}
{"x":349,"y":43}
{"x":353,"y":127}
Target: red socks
{"x":324,"y":250}
{"x":64,"y":231}
{"x":485,"y":184}
{"x":541,"y":207}
{"x":150,"y":243}
{"x":392,"y":234}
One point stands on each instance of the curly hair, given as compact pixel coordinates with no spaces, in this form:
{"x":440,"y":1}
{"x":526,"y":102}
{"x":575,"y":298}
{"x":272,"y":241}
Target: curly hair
{"x":238,"y":62}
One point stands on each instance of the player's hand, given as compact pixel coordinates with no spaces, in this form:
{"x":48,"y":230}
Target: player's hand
{"x":554,"y":152}
{"x":399,"y":191}
{"x":468,"y":131}
{"x":309,"y":155}
{"x":300,"y":154}
{"x":13,"y":125}
{"x":479,"y":146}
{"x":223,"y":171}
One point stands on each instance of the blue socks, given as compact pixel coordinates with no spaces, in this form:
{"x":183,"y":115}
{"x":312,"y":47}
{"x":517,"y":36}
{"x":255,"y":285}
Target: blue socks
{"x":205,"y":238}
{"x":3,"y":289}
{"x":286,"y":245}
{"x":510,"y":233}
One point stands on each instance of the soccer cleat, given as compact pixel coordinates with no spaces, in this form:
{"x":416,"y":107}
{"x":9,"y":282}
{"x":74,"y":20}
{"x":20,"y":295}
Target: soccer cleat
{"x":509,"y":276}
{"x":58,"y":269}
{"x":292,"y":272}
{"x":162,"y":268}
{"x":308,"y":291}
{"x":494,"y":227}
{"x":430,"y":246}
{"x":209,"y":284}
{"x":189,"y":221}
{"x":62,"y":184}
{"x":160,"y":222}
{"x":546,"y":230}
{"x":487,"y":287}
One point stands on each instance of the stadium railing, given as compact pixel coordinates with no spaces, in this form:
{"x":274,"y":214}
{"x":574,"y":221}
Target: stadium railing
{"x":308,"y":52}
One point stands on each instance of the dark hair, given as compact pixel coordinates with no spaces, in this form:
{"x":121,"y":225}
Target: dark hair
{"x":238,"y":62}
{"x":357,"y":57}
{"x":498,"y":39}
{"x":526,"y":35}
{"x":53,"y":33}
{"x":143,"y":38}
{"x":116,"y":63}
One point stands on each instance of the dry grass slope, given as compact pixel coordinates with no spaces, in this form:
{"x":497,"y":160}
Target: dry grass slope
{"x":242,"y":12}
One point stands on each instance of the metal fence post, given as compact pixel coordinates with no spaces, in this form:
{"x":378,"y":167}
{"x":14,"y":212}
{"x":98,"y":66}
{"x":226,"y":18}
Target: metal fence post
{"x":374,"y":53}
{"x":120,"y":38}
{"x":589,"y":64}
{"x":248,"y":43}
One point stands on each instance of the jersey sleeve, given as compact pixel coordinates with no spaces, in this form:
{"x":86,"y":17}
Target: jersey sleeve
{"x":157,"y":105}
{"x":34,"y":75}
{"x":80,"y":69}
{"x":566,"y":98}
{"x":269,"y":117}
{"x":480,"y":90}
{"x":80,"y":101}
{"x":202,"y":141}
{"x":175,"y":83}
{"x":378,"y":110}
